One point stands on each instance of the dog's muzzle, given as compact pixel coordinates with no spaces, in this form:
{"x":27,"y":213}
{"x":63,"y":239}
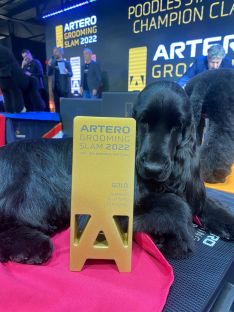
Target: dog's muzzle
{"x":153,"y":171}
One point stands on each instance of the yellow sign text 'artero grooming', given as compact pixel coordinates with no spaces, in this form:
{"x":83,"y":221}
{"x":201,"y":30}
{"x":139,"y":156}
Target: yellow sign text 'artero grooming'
{"x":102,"y":191}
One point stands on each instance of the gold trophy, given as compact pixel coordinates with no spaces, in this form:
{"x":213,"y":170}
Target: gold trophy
{"x":102,"y":191}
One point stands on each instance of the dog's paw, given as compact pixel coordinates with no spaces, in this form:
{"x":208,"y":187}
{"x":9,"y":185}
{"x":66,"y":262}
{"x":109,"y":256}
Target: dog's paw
{"x":3,"y":257}
{"x":221,"y":224}
{"x":213,"y":176}
{"x":229,"y":232}
{"x":174,"y":246}
{"x":36,"y":252}
{"x":25,"y":245}
{"x":224,"y":231}
{"x":178,"y":249}
{"x":213,"y":180}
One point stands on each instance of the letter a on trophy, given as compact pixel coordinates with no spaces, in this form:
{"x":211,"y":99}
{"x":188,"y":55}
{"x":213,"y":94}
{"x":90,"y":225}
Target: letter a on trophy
{"x":102,"y":191}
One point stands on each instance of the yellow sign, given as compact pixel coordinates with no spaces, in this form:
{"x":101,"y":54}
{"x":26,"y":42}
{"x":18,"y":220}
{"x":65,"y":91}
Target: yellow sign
{"x":59,"y":36}
{"x":137,"y":69}
{"x":102,"y":191}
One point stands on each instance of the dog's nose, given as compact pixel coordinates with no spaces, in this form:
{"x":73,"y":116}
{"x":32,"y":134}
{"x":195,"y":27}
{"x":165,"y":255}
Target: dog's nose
{"x":152,"y":168}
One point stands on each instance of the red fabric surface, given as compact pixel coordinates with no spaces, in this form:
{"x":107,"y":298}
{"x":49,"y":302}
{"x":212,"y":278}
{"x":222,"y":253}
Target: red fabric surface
{"x":2,"y":130}
{"x":98,"y":287}
{"x":197,"y":221}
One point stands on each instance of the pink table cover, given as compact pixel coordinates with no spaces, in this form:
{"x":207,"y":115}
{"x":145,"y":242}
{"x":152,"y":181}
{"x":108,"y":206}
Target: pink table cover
{"x":2,"y":130}
{"x":98,"y":287}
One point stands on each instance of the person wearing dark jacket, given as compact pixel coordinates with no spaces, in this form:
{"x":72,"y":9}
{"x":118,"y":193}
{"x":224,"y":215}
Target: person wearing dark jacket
{"x":59,"y":72}
{"x":33,"y":67}
{"x":91,"y":80}
{"x":215,"y":59}
{"x":19,"y":90}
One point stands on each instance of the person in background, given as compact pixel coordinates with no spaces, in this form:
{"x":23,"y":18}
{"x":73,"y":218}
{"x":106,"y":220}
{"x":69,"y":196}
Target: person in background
{"x":60,"y":72}
{"x":91,"y":80}
{"x":32,"y":67}
{"x":215,"y":59}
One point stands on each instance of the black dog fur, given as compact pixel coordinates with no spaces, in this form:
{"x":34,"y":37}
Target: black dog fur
{"x":169,"y":189}
{"x":35,"y":183}
{"x":212,"y":95}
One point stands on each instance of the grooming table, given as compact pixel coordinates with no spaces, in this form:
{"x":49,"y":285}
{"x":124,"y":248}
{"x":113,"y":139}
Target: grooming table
{"x":200,"y":279}
{"x":205,"y":281}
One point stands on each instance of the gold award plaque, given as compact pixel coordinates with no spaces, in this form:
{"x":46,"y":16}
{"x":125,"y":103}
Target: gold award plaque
{"x":102,"y":191}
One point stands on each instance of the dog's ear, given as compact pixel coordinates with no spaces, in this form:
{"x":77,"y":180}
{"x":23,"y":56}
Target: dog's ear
{"x":187,"y":168}
{"x":134,"y":112}
{"x":135,"y":107}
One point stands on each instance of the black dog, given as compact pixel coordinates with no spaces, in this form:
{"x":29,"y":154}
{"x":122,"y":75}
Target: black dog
{"x":169,"y":188}
{"x":212,"y":96}
{"x":35,"y":183}
{"x":35,"y":187}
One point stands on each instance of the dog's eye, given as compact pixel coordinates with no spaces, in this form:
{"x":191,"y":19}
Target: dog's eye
{"x":145,"y":125}
{"x":143,"y":120}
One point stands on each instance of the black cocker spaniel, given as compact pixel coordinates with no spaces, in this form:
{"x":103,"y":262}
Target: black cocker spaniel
{"x":169,"y":189}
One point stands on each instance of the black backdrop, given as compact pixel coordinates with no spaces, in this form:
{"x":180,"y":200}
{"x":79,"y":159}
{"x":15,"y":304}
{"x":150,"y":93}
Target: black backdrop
{"x":174,"y":23}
